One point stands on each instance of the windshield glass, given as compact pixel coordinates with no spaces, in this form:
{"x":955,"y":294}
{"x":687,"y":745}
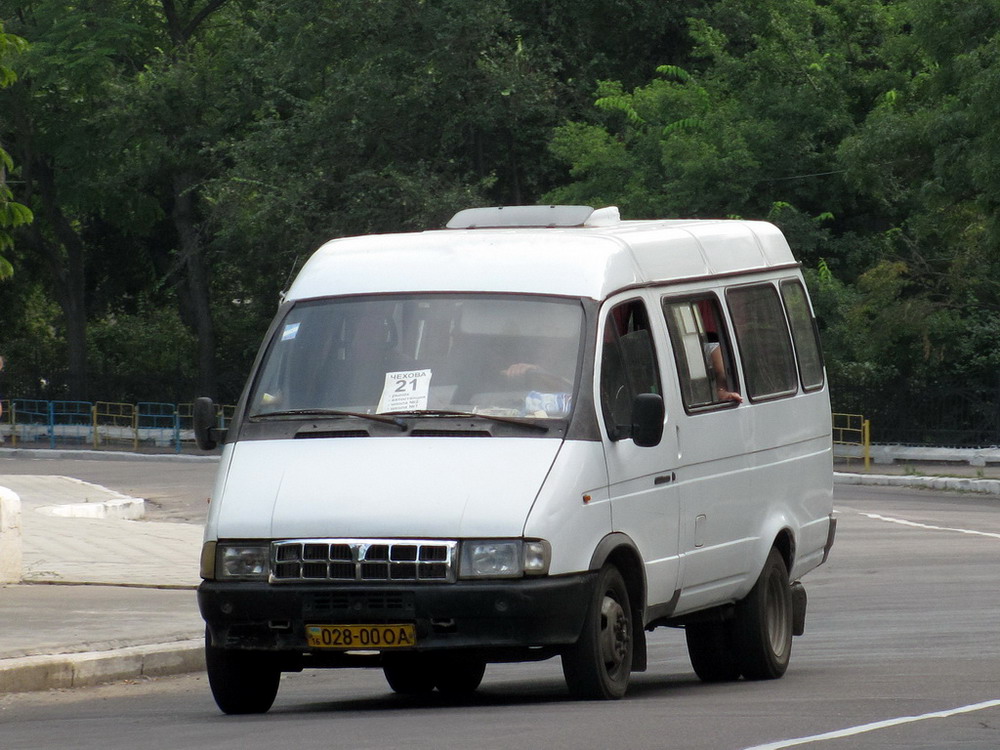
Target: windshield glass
{"x":498,"y":356}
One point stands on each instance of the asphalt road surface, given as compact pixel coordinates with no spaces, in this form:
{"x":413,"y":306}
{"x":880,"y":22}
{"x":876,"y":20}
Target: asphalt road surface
{"x":174,"y":488}
{"x":901,"y":650}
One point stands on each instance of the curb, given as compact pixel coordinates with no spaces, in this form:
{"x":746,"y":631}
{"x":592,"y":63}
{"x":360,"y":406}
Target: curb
{"x":122,"y":508}
{"x":105,"y":455}
{"x":33,"y":673}
{"x":952,"y":484}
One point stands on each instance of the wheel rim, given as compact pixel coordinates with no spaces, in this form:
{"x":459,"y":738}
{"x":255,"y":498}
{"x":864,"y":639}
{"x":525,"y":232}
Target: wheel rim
{"x":777,"y":616}
{"x":615,"y":634}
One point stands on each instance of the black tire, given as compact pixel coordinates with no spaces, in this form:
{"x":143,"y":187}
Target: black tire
{"x":408,"y":673}
{"x":599,"y":664}
{"x":712,"y":650}
{"x":764,"y":623}
{"x":457,"y":675}
{"x":242,"y":682}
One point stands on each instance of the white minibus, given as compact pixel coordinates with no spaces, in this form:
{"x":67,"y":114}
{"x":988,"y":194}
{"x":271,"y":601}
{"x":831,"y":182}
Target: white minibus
{"x":540,"y":431}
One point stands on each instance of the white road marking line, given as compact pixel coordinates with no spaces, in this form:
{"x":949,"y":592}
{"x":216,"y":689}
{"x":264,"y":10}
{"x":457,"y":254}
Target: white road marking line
{"x":863,"y":728}
{"x":903,"y":522}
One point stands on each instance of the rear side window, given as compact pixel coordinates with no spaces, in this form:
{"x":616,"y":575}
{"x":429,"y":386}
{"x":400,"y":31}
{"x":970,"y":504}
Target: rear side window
{"x":804,"y":335}
{"x":763,"y":340}
{"x":628,"y":363}
{"x":702,"y":352}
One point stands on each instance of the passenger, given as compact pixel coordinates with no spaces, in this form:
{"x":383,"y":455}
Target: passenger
{"x":537,"y":378}
{"x":713,"y":355}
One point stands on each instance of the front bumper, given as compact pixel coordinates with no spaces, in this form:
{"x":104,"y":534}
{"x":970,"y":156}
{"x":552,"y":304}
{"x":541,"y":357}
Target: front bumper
{"x":495,"y":615}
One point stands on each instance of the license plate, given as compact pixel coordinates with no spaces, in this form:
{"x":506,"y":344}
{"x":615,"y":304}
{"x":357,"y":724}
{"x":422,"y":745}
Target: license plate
{"x":361,"y":636}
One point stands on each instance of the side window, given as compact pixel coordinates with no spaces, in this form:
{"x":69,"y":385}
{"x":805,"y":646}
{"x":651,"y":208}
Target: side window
{"x":628,"y":363}
{"x":804,"y":335}
{"x":702,"y":352}
{"x":762,"y":336}
{"x":701,"y":349}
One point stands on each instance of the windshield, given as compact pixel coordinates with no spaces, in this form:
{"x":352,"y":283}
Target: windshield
{"x":509,"y":356}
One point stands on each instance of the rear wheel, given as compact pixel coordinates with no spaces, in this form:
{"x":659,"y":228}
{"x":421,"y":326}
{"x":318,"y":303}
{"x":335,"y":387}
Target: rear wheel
{"x":408,"y":674}
{"x":712,"y":649}
{"x":242,"y":682}
{"x":599,"y":664}
{"x":763,"y":624}
{"x":456,"y":674}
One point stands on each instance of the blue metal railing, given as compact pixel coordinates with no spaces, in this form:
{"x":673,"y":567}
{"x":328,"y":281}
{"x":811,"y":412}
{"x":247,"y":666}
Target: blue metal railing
{"x":96,"y":423}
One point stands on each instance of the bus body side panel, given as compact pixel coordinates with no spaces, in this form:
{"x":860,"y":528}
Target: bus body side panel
{"x":642,"y":480}
{"x":716,"y":507}
{"x":792,"y":478}
{"x":572,"y":510}
{"x":744,"y":476}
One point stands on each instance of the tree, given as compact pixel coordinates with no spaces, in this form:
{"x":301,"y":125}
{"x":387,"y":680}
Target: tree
{"x":927,"y":156}
{"x":179,"y":96}
{"x":51,"y":136}
{"x":86,"y":73}
{"x":12,"y":214}
{"x":373,"y":118}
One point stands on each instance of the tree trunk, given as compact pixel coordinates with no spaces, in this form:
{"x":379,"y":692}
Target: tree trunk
{"x":182,"y":23}
{"x":196,"y":285}
{"x":65,"y":255}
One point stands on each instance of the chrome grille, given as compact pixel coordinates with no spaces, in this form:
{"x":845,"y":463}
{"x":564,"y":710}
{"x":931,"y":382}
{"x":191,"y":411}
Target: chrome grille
{"x":363,"y":560}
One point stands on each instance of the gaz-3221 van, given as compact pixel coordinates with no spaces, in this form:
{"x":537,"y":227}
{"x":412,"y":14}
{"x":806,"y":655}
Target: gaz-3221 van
{"x":541,"y":431}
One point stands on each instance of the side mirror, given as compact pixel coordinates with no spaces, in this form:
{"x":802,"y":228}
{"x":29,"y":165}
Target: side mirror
{"x":648,"y":412}
{"x":206,"y":433}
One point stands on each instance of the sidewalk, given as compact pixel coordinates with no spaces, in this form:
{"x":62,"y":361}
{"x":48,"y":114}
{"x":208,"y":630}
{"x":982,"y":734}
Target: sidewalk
{"x":117,"y":596}
{"x":106,"y":598}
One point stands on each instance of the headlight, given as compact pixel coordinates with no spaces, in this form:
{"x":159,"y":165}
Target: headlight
{"x":504,"y":558}
{"x":248,"y":561}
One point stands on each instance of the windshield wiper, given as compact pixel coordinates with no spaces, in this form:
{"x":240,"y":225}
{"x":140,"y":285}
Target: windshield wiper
{"x":384,"y":419}
{"x":474,"y":415}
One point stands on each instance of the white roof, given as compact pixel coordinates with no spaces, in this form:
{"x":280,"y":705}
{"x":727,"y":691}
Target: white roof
{"x":579,"y":261}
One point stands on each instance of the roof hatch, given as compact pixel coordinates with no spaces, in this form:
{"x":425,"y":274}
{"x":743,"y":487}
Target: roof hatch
{"x":533,"y":216}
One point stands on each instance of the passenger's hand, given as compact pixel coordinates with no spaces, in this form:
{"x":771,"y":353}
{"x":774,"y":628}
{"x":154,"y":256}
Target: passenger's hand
{"x":725,"y":395}
{"x":520,"y":370}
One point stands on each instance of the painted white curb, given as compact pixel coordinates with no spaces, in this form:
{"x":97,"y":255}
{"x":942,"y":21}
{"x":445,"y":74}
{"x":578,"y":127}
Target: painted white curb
{"x":124,"y":508}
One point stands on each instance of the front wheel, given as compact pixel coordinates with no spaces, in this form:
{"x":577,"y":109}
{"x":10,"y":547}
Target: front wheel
{"x":764,"y":623}
{"x":242,"y":682}
{"x":599,"y":664}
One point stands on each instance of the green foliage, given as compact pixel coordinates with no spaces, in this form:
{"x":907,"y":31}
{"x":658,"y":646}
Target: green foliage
{"x":145,"y":356}
{"x":31,"y":341}
{"x":864,"y":128}
{"x":12,"y":214}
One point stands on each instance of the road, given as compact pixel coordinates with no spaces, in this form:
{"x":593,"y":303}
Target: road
{"x":902,"y":631}
{"x":174,"y":488}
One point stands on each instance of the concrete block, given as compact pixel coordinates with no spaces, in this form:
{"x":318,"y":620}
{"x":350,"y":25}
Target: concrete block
{"x":10,"y":536}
